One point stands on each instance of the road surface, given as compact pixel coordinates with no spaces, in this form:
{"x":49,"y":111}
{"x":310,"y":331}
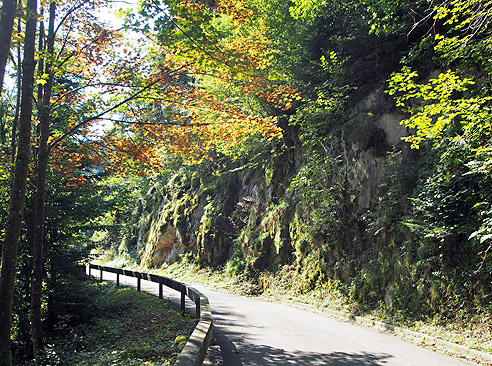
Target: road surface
{"x":257,"y":332}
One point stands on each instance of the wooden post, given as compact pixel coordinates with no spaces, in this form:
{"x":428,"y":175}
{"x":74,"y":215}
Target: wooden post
{"x":100,"y":274}
{"x":89,"y":270}
{"x":138,"y":283}
{"x":117,"y":279}
{"x":160,"y":290}
{"x":198,"y":310}
{"x":183,"y":307}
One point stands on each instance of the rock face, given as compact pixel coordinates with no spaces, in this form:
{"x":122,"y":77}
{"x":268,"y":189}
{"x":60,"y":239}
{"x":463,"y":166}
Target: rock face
{"x":366,"y":176}
{"x":374,"y":131}
{"x":169,"y":245}
{"x":248,"y":212}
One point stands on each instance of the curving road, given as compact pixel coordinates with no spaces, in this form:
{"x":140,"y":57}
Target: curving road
{"x":254,"y":332}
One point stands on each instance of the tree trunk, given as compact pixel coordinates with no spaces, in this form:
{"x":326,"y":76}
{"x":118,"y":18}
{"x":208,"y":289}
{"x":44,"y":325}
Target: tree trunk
{"x":3,"y":135}
{"x":9,"y":7}
{"x":51,"y":316}
{"x":18,"y":194}
{"x":39,"y":199}
{"x":15,"y":122}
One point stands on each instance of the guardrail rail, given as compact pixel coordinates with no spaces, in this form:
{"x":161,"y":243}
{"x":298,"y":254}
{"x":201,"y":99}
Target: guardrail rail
{"x":196,"y":348}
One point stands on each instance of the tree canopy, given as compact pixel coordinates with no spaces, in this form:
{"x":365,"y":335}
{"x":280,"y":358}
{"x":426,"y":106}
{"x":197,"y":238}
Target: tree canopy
{"x":188,"y":93}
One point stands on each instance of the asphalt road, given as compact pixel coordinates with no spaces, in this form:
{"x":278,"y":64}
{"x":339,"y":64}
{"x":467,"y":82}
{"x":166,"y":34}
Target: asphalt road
{"x":254,"y":332}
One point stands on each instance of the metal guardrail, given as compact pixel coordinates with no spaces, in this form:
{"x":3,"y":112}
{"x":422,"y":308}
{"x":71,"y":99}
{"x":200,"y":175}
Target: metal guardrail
{"x":196,"y":348}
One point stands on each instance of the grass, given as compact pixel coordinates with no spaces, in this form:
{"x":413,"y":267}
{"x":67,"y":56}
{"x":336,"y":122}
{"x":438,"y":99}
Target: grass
{"x":127,"y":328}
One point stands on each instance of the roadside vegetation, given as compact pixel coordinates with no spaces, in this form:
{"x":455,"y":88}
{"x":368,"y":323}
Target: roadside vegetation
{"x":100,"y":324}
{"x":337,"y":152}
{"x":284,"y":286}
{"x":376,"y":200}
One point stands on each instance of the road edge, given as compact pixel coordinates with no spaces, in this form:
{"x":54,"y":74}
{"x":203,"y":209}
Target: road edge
{"x":422,"y":339}
{"x":196,"y":347}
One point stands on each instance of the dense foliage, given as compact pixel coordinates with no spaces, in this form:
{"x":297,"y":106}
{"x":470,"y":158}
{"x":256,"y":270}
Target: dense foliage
{"x":419,"y":242}
{"x":101,"y":324}
{"x":346,"y":142}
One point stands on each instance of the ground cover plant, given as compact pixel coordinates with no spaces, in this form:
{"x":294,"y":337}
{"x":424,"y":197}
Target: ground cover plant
{"x":115,"y":326}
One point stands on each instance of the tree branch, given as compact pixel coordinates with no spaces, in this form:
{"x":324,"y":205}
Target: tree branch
{"x":101,"y":114}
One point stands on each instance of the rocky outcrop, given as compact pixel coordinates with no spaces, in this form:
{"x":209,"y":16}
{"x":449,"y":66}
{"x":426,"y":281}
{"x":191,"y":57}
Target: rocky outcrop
{"x":168,"y":246}
{"x":247,"y":207}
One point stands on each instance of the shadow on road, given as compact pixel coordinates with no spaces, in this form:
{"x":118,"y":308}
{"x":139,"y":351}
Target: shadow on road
{"x":237,"y":351}
{"x":253,"y":355}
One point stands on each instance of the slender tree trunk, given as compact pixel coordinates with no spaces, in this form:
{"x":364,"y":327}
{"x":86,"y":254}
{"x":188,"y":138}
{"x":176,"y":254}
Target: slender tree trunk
{"x":3,"y":140}
{"x":9,"y":7}
{"x":51,"y":317}
{"x":39,"y":205}
{"x":18,"y":194}
{"x":15,"y":122}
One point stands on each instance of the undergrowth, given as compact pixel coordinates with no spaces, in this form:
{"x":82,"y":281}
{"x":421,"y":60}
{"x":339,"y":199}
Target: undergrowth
{"x":126,"y":327}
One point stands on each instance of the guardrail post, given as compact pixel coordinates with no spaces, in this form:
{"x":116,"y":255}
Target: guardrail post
{"x":196,"y":348}
{"x":198,"y":311}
